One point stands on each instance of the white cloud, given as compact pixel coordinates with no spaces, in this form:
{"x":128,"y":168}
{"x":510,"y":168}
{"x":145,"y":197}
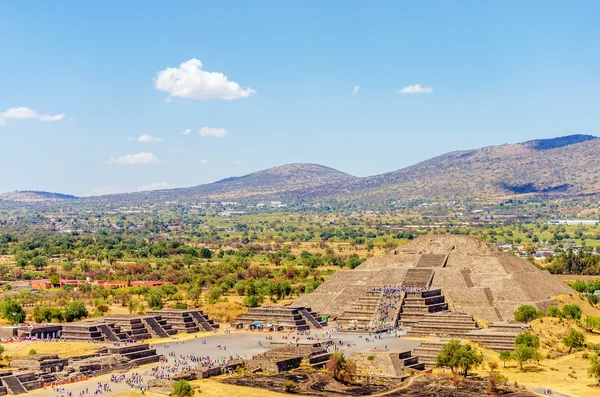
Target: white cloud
{"x":134,"y":159}
{"x":24,"y":113}
{"x":204,"y":161}
{"x":355,"y":90}
{"x":237,"y":162}
{"x":190,"y":81}
{"x":216,"y":132}
{"x":149,"y":138}
{"x":416,"y":89}
{"x":187,"y":131}
{"x":154,"y":186}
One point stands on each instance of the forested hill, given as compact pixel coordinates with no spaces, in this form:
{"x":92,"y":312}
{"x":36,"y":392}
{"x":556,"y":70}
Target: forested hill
{"x":568,"y":166}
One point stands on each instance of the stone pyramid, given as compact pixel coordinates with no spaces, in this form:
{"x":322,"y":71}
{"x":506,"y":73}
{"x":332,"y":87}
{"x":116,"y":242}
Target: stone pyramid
{"x":475,"y":277}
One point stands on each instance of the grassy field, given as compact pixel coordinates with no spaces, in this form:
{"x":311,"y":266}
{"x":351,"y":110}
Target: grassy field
{"x":213,"y":388}
{"x":64,"y":349}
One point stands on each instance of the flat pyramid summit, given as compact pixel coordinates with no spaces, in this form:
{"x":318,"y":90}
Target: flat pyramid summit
{"x":474,"y":276}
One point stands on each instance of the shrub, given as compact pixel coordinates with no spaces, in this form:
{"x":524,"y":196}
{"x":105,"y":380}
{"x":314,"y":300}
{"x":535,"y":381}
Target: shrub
{"x":554,"y":311}
{"x":574,"y":340}
{"x":527,"y":313}
{"x":13,"y":312}
{"x":371,"y":358}
{"x":76,"y":311}
{"x":288,"y":386}
{"x":32,"y":352}
{"x":182,"y":388}
{"x":181,"y":306}
{"x":572,"y":311}
{"x":593,"y":299}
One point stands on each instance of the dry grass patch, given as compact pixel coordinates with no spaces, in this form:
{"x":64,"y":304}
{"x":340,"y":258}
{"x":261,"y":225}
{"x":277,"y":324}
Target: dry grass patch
{"x":64,"y":349}
{"x":224,"y":312}
{"x":566,"y":374}
{"x":579,"y":300}
{"x":211,"y":387}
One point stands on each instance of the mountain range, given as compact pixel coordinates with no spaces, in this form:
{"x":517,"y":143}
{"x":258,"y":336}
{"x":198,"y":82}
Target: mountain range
{"x":568,"y":166}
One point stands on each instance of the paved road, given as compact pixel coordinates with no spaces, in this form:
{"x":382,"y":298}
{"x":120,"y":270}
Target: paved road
{"x":540,"y":390}
{"x":246,"y":344}
{"x":243,"y":344}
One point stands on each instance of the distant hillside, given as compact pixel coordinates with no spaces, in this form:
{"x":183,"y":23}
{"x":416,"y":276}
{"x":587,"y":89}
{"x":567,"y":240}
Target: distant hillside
{"x":568,"y":165}
{"x":31,"y":196}
{"x":286,"y":181}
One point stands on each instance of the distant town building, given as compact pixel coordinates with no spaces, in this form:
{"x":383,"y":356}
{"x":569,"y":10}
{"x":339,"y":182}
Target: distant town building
{"x":590,"y":222}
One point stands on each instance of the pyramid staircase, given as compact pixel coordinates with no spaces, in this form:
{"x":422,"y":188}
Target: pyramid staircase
{"x":445,"y":324}
{"x":203,"y":321}
{"x":138,"y":354}
{"x":498,"y":336}
{"x":109,"y":334}
{"x":287,"y":318}
{"x":417,"y":304}
{"x":13,"y":385}
{"x":362,"y":312}
{"x":154,"y":328}
{"x":429,"y":350}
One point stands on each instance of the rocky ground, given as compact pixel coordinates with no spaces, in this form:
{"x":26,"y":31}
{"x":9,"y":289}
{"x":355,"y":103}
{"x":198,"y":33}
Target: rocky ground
{"x":318,"y":383}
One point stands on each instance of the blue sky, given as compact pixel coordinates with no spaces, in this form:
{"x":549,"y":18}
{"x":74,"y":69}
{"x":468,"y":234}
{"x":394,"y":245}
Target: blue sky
{"x":80,"y":84}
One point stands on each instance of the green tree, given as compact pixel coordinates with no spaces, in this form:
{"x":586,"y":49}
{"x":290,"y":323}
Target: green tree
{"x":454,"y":355}
{"x":213,"y":295}
{"x":13,"y":312}
{"x":527,"y":339}
{"x":522,"y":354}
{"x":154,"y":300}
{"x":526,"y":313}
{"x":253,"y":300}
{"x":554,"y":311}
{"x":182,"y":388}
{"x":505,"y":356}
{"x":54,"y":279}
{"x":574,"y":340}
{"x":571,"y":311}
{"x":76,"y":311}
{"x":591,"y":322}
{"x":594,"y":369}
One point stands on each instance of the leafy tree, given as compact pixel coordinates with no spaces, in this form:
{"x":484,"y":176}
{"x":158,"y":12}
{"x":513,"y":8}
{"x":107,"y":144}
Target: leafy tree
{"x":454,"y":355}
{"x":205,"y":253}
{"x":54,"y":279}
{"x":527,"y":313}
{"x":213,"y":295}
{"x":522,"y":354}
{"x":527,"y":339}
{"x":594,"y":369}
{"x":554,"y":311}
{"x":574,"y":340}
{"x":253,"y":300}
{"x":571,"y":311}
{"x":340,"y":367}
{"x":593,"y":299}
{"x":76,"y":311}
{"x":154,"y":300}
{"x":505,"y":355}
{"x":591,"y":322}
{"x":182,"y":388}
{"x":13,"y":312}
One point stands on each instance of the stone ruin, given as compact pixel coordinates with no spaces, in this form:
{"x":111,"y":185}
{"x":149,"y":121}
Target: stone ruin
{"x":118,"y":328}
{"x":473,"y":276}
{"x":280,"y":318}
{"x":286,"y":358}
{"x":34,"y":371}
